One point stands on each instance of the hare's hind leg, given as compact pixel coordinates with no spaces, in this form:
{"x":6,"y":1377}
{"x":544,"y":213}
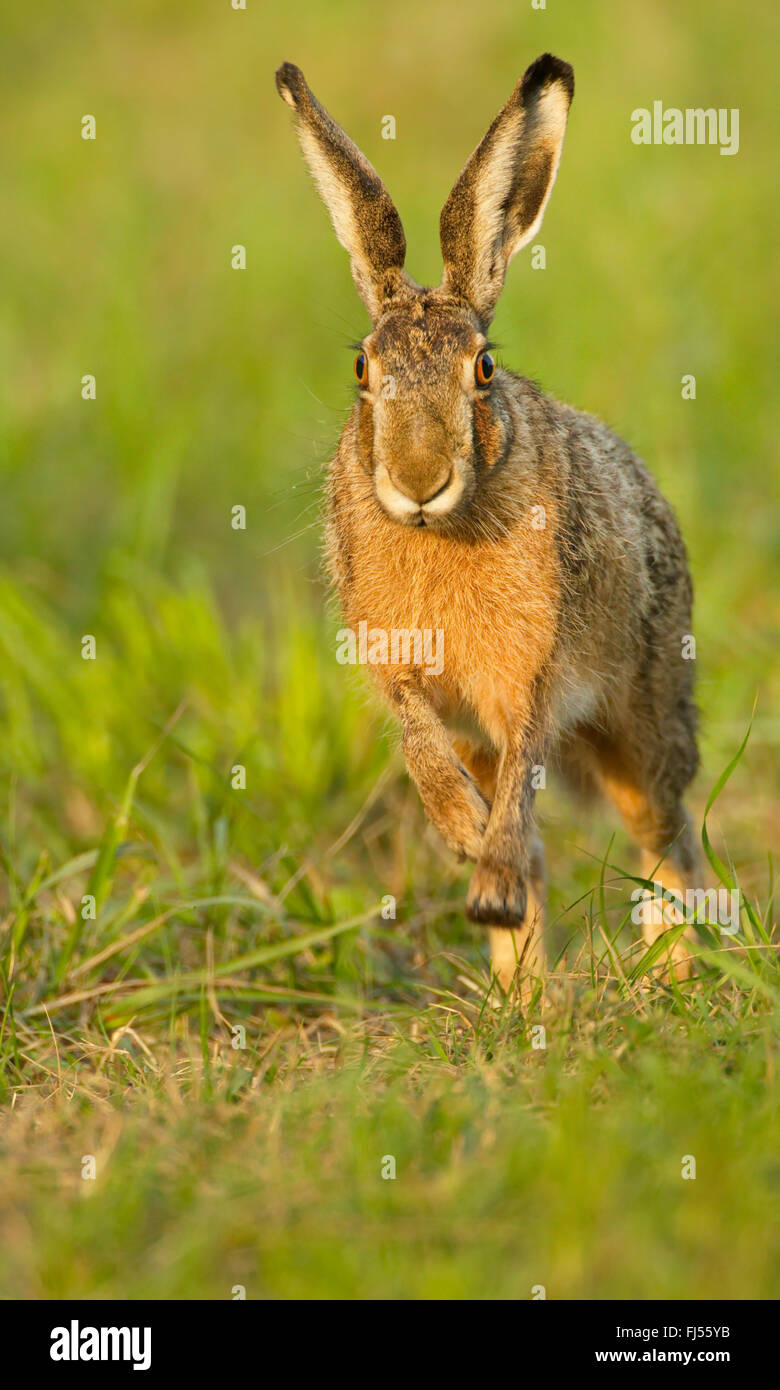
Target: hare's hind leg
{"x":659,"y":915}
{"x":516,"y":953}
{"x":650,"y":804}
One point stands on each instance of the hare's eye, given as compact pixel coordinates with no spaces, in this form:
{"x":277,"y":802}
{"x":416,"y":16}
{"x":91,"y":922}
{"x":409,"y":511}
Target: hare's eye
{"x":361,"y":369}
{"x":484,"y":368}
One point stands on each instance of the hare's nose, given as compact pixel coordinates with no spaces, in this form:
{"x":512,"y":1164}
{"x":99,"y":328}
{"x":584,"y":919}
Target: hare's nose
{"x":420,"y":488}
{"x":414,"y":506}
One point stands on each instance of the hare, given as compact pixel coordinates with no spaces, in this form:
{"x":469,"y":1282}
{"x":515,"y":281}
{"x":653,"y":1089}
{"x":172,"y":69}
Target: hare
{"x":461,"y":500}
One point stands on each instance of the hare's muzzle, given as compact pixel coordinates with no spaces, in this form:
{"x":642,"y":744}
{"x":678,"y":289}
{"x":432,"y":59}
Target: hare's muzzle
{"x":416,"y":499}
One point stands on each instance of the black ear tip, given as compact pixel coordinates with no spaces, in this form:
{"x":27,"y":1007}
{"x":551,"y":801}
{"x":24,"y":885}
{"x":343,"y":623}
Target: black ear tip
{"x":290,"y":83}
{"x":545,"y":70}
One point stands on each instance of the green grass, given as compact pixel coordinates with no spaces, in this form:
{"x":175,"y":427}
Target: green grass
{"x":259,"y":908}
{"x":513,"y":1168}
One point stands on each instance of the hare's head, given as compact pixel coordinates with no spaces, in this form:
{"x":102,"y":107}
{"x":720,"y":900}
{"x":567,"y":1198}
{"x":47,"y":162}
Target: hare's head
{"x":433,"y":416}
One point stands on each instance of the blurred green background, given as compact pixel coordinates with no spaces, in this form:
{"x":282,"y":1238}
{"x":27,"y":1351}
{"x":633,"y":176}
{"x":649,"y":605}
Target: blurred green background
{"x":218,"y":387}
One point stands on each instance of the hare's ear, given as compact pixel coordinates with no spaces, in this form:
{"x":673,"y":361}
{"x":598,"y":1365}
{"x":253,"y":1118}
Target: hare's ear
{"x":361,"y":209}
{"x":499,"y":198}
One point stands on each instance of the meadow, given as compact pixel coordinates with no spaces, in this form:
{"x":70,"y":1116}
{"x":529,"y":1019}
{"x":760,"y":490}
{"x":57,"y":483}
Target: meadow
{"x":205,"y":1085}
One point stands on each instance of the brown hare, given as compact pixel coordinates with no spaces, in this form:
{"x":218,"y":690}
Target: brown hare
{"x":463,"y":501}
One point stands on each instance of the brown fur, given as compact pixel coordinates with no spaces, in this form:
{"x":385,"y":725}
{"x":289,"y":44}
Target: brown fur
{"x":524,"y":530}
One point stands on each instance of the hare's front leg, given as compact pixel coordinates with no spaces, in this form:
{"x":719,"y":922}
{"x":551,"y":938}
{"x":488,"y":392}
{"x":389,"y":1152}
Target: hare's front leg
{"x":449,"y":793}
{"x":506,"y":892}
{"x":498,"y":889}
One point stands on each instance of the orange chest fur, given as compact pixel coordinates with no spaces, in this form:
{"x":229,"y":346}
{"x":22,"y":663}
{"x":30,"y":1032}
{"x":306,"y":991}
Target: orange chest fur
{"x":487,"y":611}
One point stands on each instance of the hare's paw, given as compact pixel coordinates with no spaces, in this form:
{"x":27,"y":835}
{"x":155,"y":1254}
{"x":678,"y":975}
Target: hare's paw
{"x":497,"y":895}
